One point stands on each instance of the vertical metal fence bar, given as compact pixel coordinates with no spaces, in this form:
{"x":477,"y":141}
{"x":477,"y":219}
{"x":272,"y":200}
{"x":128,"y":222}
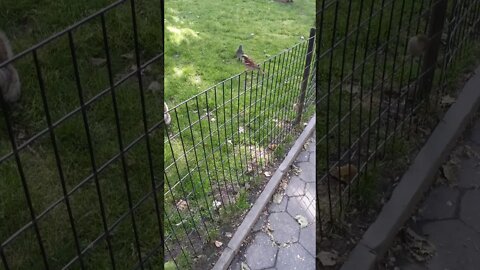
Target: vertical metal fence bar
{"x":327,"y":121}
{"x":225,"y":181}
{"x":57,"y":158}
{"x":145,"y":120}
{"x":276,"y":96}
{"x":411,"y":90}
{"x":234,"y":141}
{"x":297,"y":53}
{"x":178,"y":212}
{"x":260,"y":139}
{"x":256,"y":122}
{"x":195,"y":227}
{"x":213,"y":152}
{"x":90,"y":147}
{"x":224,"y":102}
{"x":189,"y":174}
{"x":391,"y":88}
{"x":384,"y":69}
{"x":197,"y":166}
{"x":253,"y":153}
{"x":204,"y":149}
{"x":350,"y":105}
{"x":318,"y":156}
{"x":23,"y":179}
{"x":401,"y":110}
{"x":427,"y":108}
{"x":268,"y":95}
{"x":117,"y":119}
{"x":4,"y":259}
{"x":240,"y":159}
{"x":306,"y":73}
{"x":287,"y":101}
{"x":243,"y":111}
{"x":232,"y":187}
{"x":340,"y":101}
{"x":370,"y":107}
{"x":362,"y":84}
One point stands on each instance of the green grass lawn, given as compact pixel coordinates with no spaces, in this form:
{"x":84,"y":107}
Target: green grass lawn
{"x":202,"y":37}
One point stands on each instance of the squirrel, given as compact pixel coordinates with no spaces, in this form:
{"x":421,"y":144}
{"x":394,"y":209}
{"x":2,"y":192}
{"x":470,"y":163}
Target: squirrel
{"x":9,"y":79}
{"x":250,"y":64}
{"x":417,"y":45}
{"x":239,"y":53}
{"x":166,"y":115}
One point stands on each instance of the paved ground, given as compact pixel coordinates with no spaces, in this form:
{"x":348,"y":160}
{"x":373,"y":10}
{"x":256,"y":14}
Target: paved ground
{"x":278,"y":241}
{"x":450,"y":214}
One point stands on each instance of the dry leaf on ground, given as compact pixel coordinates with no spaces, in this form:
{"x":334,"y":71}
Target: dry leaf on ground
{"x":154,"y":86}
{"x":98,"y":61}
{"x":419,"y":247}
{"x":128,"y":56}
{"x":272,"y":146}
{"x":449,"y":172}
{"x":181,"y":205}
{"x":302,"y":221}
{"x":344,"y":173}
{"x":217,"y":203}
{"x":218,"y":244}
{"x":244,"y":266}
{"x":296,"y":170}
{"x":277,"y":198}
{"x":448,"y":100}
{"x":327,"y":258}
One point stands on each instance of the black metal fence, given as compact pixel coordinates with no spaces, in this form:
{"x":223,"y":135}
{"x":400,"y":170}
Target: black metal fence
{"x":81,"y":153}
{"x":374,"y":94}
{"x":221,"y":145}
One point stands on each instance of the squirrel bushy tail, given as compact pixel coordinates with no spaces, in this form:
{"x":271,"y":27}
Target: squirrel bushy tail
{"x":166,"y":116}
{"x":5,"y":48}
{"x":9,"y":79}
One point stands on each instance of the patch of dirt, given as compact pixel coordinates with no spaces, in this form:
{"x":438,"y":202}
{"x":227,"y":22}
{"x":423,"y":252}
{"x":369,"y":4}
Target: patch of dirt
{"x":253,"y":190}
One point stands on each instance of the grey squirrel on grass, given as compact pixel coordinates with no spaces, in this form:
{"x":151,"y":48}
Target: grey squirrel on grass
{"x":9,"y":80}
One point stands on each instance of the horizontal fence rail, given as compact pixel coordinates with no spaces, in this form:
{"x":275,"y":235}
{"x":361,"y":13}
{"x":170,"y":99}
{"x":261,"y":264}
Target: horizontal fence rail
{"x":81,"y":183}
{"x":374,"y":94}
{"x":221,"y":143}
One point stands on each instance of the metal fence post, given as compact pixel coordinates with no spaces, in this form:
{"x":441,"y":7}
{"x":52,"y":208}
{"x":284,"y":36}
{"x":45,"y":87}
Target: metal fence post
{"x":306,"y":75}
{"x":435,"y":35}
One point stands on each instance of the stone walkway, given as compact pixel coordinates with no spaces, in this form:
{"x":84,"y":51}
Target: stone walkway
{"x":278,"y":240}
{"x":450,"y":215}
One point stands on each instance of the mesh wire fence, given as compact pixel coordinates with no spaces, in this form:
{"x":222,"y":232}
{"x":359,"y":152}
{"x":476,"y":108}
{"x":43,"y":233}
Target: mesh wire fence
{"x":222,"y":143}
{"x":373,"y":95}
{"x":81,"y":152}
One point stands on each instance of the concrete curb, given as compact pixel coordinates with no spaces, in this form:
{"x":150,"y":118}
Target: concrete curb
{"x":416,"y":180}
{"x":244,"y":229}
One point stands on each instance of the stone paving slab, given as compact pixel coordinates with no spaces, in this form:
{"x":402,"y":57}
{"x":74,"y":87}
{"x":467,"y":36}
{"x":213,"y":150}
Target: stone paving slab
{"x":279,"y":242}
{"x":418,"y":178}
{"x":450,"y":214}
